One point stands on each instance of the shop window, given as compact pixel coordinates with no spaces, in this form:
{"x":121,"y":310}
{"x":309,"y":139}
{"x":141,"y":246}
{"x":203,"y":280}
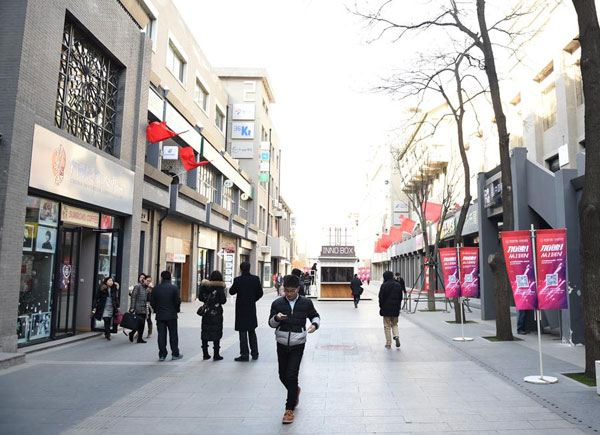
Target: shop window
{"x":553,"y":163}
{"x":336,"y":274}
{"x":37,"y":269}
{"x":205,"y":264}
{"x":207,"y":182}
{"x":88,"y":82}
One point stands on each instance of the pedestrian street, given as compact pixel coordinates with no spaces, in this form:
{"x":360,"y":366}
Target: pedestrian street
{"x":350,"y":384}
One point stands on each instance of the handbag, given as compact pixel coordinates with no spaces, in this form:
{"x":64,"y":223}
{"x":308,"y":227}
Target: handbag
{"x":119,"y":317}
{"x":203,"y":310}
{"x":129,"y":321}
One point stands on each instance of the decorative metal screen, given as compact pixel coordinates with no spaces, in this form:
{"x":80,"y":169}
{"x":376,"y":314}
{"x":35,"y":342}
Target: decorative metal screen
{"x":87,"y":90}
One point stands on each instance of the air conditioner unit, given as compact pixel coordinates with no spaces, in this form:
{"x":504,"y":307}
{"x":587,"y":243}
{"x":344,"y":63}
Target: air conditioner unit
{"x":278,"y":214}
{"x":265,"y":249}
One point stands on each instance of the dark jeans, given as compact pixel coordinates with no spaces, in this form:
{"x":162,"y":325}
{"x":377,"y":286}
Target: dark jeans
{"x":244,"y":351}
{"x":162,"y":326}
{"x":289,"y":358}
{"x":107,"y":325}
{"x":521,"y":320}
{"x":216,"y":345}
{"x":356,"y":299}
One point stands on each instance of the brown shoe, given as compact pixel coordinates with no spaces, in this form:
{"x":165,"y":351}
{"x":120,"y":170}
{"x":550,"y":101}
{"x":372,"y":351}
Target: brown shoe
{"x":298,"y":399}
{"x":288,"y":417}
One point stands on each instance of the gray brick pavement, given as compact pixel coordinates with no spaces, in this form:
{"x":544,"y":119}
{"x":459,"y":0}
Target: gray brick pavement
{"x":351,"y":384}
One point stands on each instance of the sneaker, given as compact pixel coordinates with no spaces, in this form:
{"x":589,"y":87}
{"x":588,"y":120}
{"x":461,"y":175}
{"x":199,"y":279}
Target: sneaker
{"x":288,"y":417}
{"x":242,"y":359}
{"x":388,"y":346}
{"x":176,"y":357}
{"x":298,"y":399}
{"x":142,"y":341}
{"x":161,"y":359}
{"x":397,"y":341}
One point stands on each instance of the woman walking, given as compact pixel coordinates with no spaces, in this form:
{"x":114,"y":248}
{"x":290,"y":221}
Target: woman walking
{"x":212,"y":293}
{"x":139,"y":306}
{"x":148,"y":306}
{"x":107,"y":304}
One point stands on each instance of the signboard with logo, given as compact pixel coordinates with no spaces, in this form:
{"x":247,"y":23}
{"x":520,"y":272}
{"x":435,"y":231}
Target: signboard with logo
{"x":471,"y":221}
{"x":243,"y":111}
{"x":492,"y":194}
{"x":469,"y":272}
{"x":400,"y":206}
{"x":519,"y":266}
{"x":228,"y":265}
{"x":242,"y":130}
{"x":449,"y":262}
{"x":264,"y":177}
{"x":551,"y":247}
{"x":70,"y":170}
{"x":79,"y":217}
{"x":264,"y":155}
{"x":170,"y":152}
{"x":172,"y":257}
{"x":337,"y":251}
{"x":242,"y":150}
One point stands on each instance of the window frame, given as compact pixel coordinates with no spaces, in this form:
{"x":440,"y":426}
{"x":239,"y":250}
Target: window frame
{"x":220,"y":115}
{"x":207,"y":182}
{"x":173,"y":47}
{"x":206,"y":91}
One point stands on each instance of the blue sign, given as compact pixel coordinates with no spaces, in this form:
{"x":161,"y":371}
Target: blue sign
{"x":264,"y":156}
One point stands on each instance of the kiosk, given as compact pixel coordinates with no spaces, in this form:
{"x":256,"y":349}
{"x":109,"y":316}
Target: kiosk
{"x":335,"y":268}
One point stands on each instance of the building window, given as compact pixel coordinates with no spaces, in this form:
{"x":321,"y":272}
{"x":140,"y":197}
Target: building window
{"x":243,"y":209}
{"x":553,"y":163}
{"x":265,"y":106}
{"x":176,"y":63}
{"x":262,"y":218}
{"x":88,"y":81}
{"x":151,"y":30}
{"x":227,"y":198}
{"x":264,"y":134}
{"x":207,"y":182}
{"x":549,"y":107}
{"x":201,"y":96}
{"x":219,"y":119}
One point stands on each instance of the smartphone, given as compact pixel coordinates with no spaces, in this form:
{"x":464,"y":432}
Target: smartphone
{"x":283,"y":316}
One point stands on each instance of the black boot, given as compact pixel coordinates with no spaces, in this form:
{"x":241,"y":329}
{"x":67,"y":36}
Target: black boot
{"x":217,"y":357}
{"x":205,"y":353}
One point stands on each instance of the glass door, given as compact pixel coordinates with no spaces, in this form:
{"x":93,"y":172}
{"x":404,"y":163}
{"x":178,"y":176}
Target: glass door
{"x":65,"y":296}
{"x":108,"y":262}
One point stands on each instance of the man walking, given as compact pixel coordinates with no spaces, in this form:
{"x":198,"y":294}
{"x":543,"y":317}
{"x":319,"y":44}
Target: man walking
{"x":390,"y":300}
{"x":400,"y":281}
{"x":356,"y":288}
{"x":248,"y":290}
{"x":165,"y":301}
{"x":298,"y":273}
{"x":288,"y":316}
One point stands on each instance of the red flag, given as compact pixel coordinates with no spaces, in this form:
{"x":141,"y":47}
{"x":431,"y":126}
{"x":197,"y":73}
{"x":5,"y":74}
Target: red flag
{"x":158,"y":131}
{"x":189,"y":159}
{"x":386,"y":241}
{"x":432,"y":210}
{"x":408,"y":225}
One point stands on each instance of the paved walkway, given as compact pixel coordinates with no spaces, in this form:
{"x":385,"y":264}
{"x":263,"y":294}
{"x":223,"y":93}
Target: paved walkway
{"x":351,"y":384}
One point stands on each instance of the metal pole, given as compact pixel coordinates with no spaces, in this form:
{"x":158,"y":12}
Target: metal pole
{"x":460,"y":301}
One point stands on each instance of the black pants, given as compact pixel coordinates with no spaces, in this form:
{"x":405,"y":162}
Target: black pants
{"x":356,"y":299}
{"x":216,"y":345}
{"x":289,"y":358}
{"x":107,"y":325}
{"x":162,"y":326}
{"x":244,"y":351}
{"x":141,"y":324}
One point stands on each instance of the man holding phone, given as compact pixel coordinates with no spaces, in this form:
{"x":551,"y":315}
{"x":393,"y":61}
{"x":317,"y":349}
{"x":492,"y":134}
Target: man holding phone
{"x":288,"y":316}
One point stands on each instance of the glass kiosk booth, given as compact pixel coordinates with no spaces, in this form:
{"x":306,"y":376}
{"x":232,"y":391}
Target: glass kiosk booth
{"x":335,"y":268}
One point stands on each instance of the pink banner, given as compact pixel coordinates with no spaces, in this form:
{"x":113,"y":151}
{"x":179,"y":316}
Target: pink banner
{"x":519,"y":266}
{"x":551,"y":247}
{"x":469,"y":272}
{"x":450,"y":271}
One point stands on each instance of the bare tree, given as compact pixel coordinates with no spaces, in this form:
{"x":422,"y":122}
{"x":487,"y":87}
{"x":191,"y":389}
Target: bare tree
{"x":418,"y":187}
{"x":589,"y":206}
{"x":459,"y":19}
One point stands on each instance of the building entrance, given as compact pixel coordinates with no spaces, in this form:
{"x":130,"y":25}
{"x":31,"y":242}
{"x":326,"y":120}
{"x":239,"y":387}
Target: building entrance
{"x":65,"y":296}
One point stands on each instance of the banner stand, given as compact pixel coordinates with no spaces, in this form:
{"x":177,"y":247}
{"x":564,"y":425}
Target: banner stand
{"x":462,"y":309}
{"x":541,"y":379}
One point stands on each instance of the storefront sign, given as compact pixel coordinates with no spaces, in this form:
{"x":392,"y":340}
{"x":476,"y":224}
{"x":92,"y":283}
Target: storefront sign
{"x":242,"y":150}
{"x":242,"y":130}
{"x":400,"y":206}
{"x":107,"y":222}
{"x":79,"y":217}
{"x":170,"y":152}
{"x":70,"y":170}
{"x":492,"y":194}
{"x":471,"y":221}
{"x":448,"y":228}
{"x":337,"y":251}
{"x":469,"y":272}
{"x":172,"y":257}
{"x":207,"y":238}
{"x":264,"y":166}
{"x":264,"y":177}
{"x":551,"y":247}
{"x":449,"y":261}
{"x":228,"y":265}
{"x":519,"y":266}
{"x":243,"y":111}
{"x":264,"y":155}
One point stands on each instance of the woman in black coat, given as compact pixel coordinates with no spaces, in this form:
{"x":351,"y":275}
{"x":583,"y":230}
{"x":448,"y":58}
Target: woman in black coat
{"x":356,"y":288}
{"x":107,"y":304}
{"x":212,"y":293}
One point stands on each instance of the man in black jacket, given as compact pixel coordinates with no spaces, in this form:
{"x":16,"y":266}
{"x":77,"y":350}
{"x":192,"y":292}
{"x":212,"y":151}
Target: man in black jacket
{"x":298,"y":273}
{"x":288,"y":315}
{"x":356,"y":288}
{"x":249,"y":290}
{"x":165,"y":302}
{"x":390,"y":300}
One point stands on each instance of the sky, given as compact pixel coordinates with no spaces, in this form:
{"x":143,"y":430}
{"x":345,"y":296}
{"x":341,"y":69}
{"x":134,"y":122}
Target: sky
{"x":322,"y":71}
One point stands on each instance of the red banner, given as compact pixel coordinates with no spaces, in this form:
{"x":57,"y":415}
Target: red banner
{"x":519,"y":266}
{"x":450,"y":272}
{"x":469,"y":272}
{"x":551,"y":247}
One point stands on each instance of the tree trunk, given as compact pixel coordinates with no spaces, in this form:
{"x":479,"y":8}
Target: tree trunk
{"x":589,"y":206}
{"x":501,"y":298}
{"x":501,"y":288}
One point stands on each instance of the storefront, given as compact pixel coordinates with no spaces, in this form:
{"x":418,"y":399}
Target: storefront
{"x":178,"y":254}
{"x":207,"y":246}
{"x":71,"y":242}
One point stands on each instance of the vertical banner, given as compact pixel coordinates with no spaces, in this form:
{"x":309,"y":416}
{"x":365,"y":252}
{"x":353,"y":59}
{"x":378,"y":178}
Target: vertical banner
{"x":426,"y":273}
{"x":519,"y":266}
{"x":469,"y":272}
{"x":551,"y":247}
{"x":450,"y":271}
